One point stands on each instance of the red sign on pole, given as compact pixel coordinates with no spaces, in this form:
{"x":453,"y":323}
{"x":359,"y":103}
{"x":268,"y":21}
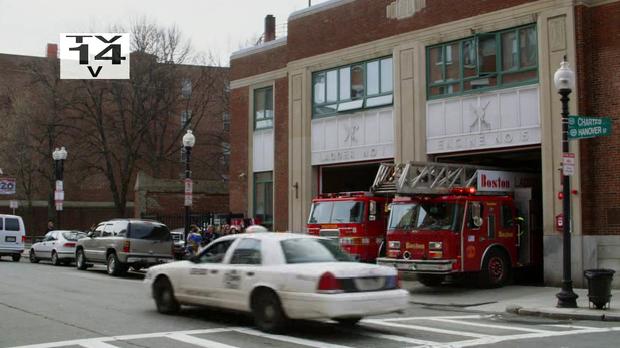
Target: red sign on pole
{"x":559,"y":222}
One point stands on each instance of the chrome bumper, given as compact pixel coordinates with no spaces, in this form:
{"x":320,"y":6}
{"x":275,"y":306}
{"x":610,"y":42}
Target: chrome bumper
{"x":419,"y":266}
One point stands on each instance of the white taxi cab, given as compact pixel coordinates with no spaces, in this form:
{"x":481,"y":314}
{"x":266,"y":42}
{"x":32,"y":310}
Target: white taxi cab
{"x":276,"y":277}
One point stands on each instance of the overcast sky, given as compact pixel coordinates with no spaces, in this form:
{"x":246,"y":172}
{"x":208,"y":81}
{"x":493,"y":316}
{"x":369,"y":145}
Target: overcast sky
{"x":218,"y":26}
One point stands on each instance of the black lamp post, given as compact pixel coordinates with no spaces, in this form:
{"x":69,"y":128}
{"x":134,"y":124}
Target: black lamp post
{"x":188,"y":143}
{"x":564,"y":80}
{"x":59,"y":156}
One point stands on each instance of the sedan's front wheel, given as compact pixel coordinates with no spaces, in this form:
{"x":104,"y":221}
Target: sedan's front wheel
{"x":80,"y":260}
{"x":33,"y":257}
{"x":164,"y":297}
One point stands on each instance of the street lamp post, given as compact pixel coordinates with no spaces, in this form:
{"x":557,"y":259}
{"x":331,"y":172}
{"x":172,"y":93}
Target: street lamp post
{"x":188,"y":143}
{"x":564,"y":80}
{"x":59,"y":156}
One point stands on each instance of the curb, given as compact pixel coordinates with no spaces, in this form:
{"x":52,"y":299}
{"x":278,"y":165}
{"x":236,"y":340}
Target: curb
{"x":553,"y":314}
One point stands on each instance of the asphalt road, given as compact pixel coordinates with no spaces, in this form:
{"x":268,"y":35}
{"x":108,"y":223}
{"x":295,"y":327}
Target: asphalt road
{"x":47,"y":306}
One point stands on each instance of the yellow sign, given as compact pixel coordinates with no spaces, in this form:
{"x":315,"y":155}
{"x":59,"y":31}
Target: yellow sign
{"x":329,"y":227}
{"x":470,"y":251}
{"x":503,"y":234}
{"x":415,"y":246}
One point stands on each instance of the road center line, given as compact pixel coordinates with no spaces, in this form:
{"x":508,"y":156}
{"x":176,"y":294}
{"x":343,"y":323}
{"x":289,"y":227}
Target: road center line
{"x":426,"y":328}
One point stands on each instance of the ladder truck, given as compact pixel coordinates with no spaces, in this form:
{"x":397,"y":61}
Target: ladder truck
{"x":356,"y":219}
{"x":451,"y":219}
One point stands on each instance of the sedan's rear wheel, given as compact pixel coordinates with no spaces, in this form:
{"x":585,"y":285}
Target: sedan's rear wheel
{"x":33,"y":257}
{"x":164,"y":297}
{"x":55,"y":260}
{"x":268,"y":313}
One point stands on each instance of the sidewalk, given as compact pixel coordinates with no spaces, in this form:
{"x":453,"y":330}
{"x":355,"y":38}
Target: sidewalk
{"x":520,"y":300}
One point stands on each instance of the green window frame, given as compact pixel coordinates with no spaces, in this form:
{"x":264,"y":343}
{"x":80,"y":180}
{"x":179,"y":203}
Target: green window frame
{"x":362,"y":85}
{"x":483,"y":62}
{"x":263,"y":108}
{"x":263,"y":197}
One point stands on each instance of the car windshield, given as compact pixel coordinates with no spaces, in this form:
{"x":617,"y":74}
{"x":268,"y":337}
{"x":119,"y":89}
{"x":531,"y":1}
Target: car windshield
{"x":305,"y":250}
{"x":73,"y":235}
{"x":149,"y":231}
{"x":337,"y":212}
{"x":426,"y":216}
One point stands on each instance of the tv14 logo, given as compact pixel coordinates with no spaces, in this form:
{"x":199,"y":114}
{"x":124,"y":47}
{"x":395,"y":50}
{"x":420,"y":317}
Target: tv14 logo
{"x":94,"y":56}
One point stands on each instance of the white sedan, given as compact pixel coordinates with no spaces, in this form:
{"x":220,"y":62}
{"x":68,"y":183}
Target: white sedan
{"x":278,"y":276}
{"x":56,"y":246}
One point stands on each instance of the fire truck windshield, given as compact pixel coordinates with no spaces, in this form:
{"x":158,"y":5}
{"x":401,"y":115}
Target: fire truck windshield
{"x":336,"y":212}
{"x":426,"y":216}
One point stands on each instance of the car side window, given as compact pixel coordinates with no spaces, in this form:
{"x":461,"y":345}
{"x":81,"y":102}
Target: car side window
{"x":247,"y":252}
{"x":216,"y":252}
{"x":120,"y":228}
{"x":48,"y":236}
{"x":107,"y":230}
{"x":1,"y":223}
{"x":98,"y":231}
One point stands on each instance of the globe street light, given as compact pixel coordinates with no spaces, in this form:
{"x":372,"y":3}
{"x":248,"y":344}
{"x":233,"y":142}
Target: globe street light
{"x":188,"y":143}
{"x":59,"y":156}
{"x":564,"y":80}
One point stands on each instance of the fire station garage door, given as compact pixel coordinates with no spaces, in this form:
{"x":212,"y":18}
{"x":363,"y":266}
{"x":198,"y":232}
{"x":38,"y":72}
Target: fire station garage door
{"x":348,"y":178}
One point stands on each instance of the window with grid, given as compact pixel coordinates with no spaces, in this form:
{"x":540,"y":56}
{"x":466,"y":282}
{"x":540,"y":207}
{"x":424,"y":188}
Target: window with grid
{"x":357,"y":86}
{"x":263,"y":108}
{"x":263,"y":197}
{"x":483,"y":62}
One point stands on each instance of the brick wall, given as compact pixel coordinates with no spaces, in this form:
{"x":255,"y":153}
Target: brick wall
{"x":238,"y":188}
{"x":259,"y":63}
{"x":598,"y":69}
{"x":281,"y":187}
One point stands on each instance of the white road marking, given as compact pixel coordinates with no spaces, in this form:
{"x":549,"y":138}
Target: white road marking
{"x":201,"y":342}
{"x":96,"y":344}
{"x":397,"y":338}
{"x":491,"y":326}
{"x":478,"y":316}
{"x":289,"y":339}
{"x":425,"y":328}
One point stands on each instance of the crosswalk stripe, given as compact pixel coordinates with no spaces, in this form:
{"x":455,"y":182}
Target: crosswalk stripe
{"x":490,"y":326}
{"x":290,"y":339}
{"x":398,"y":338}
{"x":201,"y":342}
{"x":425,"y":328}
{"x":477,"y":316}
{"x":96,"y":344}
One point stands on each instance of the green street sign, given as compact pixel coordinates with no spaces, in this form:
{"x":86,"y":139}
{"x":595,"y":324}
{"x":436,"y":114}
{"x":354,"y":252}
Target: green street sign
{"x":582,"y":127}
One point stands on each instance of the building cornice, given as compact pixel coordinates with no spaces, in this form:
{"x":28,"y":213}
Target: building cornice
{"x":259,"y":48}
{"x":317,"y":8}
{"x":593,"y":3}
{"x":256,"y":79}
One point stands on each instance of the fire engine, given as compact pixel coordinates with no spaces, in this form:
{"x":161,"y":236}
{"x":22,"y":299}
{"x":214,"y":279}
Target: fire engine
{"x":357,"y":219}
{"x":449,"y":219}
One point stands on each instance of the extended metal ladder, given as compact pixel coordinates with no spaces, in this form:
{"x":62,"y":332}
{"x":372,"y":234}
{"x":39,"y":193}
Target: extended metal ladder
{"x":423,"y":177}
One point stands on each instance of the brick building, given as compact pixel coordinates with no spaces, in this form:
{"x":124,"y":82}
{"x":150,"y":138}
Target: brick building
{"x":197,"y":99}
{"x":359,"y":82}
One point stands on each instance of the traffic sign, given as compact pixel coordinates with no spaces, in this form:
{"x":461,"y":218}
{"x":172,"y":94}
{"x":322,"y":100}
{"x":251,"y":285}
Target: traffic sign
{"x":13,"y":204}
{"x":582,"y":127}
{"x":568,"y":164}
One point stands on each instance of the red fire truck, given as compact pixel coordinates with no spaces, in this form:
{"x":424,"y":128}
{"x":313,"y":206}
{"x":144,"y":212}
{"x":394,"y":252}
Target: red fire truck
{"x":449,"y":219}
{"x":357,"y":219}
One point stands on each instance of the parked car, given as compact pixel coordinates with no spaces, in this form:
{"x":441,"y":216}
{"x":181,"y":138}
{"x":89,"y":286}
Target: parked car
{"x":56,"y":246}
{"x":179,"y":243}
{"x":12,"y":236}
{"x":277,"y":277}
{"x":124,"y":243}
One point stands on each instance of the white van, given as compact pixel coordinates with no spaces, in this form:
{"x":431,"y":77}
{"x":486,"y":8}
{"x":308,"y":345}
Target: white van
{"x":12,"y":236}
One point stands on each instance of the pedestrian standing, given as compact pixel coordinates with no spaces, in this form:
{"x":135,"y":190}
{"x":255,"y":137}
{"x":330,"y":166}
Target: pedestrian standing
{"x":50,"y":225}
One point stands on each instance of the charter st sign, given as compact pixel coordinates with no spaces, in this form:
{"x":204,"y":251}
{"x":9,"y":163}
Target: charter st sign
{"x":582,"y":127}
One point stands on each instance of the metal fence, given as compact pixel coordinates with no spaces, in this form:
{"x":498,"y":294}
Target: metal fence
{"x":202,"y":220}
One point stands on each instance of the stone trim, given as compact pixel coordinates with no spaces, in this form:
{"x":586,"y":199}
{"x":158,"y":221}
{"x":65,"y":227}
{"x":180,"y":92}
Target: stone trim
{"x":259,"y":48}
{"x":259,"y":79}
{"x":593,"y":3}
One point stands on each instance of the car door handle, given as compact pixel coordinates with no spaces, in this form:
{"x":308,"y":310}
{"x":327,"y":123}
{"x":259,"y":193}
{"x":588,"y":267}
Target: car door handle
{"x":213,"y":271}
{"x":250,"y":274}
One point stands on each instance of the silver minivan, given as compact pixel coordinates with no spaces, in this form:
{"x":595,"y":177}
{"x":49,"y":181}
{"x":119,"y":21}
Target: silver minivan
{"x":124,"y":243}
{"x":12,"y":236}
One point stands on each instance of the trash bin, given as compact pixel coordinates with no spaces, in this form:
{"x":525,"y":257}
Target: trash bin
{"x":599,"y":286}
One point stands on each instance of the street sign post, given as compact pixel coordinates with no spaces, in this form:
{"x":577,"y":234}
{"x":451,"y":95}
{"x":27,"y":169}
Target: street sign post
{"x":583,"y":127}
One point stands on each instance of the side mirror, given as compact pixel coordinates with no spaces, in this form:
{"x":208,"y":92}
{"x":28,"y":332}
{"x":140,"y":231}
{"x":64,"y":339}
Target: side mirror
{"x":195,"y":259}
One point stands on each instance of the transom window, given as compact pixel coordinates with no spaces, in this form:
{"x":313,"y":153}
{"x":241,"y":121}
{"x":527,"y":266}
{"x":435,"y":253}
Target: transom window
{"x":357,"y":86}
{"x":485,"y":61}
{"x":263,"y":108}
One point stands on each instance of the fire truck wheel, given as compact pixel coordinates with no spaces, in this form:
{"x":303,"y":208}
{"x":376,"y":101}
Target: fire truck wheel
{"x":495,"y":270}
{"x":431,"y":279}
